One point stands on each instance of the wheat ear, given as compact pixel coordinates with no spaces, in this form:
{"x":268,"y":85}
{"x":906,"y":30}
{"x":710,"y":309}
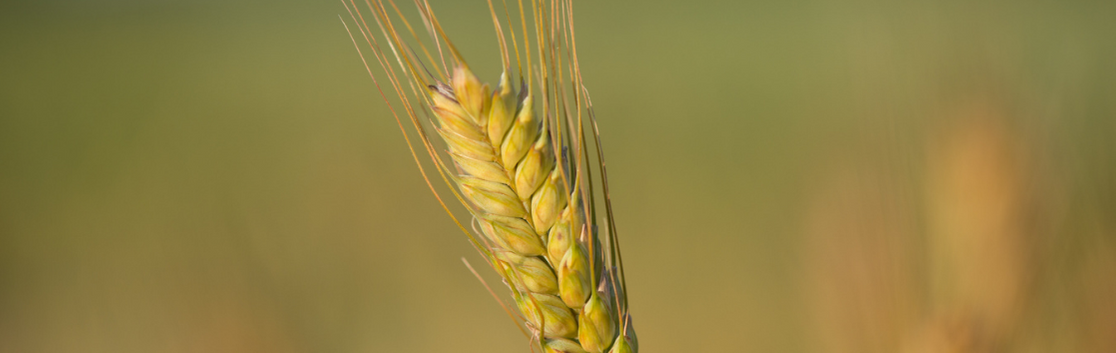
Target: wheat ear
{"x":523,"y":176}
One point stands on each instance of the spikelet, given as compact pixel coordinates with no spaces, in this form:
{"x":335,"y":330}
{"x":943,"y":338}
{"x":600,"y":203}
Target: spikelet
{"x":518,"y":160}
{"x":626,"y":342}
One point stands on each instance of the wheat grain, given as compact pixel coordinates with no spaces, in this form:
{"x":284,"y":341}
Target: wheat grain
{"x":522,"y":171}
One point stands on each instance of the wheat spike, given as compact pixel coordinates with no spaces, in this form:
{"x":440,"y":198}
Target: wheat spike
{"x":520,"y":169}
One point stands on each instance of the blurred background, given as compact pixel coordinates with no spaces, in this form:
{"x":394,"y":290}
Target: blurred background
{"x":789,"y":176}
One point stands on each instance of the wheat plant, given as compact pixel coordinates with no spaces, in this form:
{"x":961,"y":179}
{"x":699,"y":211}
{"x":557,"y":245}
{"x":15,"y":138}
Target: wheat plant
{"x":523,"y":156}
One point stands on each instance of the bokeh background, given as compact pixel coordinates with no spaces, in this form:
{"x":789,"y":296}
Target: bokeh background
{"x":789,"y":176}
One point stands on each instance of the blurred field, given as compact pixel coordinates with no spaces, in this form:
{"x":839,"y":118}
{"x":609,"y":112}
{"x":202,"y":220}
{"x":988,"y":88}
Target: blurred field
{"x":795,"y":176}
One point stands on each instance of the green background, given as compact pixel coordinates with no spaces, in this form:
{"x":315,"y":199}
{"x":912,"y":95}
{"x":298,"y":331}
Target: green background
{"x":221,"y":176}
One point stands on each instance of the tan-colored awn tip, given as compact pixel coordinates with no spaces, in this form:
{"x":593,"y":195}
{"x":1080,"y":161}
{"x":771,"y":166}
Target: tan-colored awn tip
{"x":517,"y":157}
